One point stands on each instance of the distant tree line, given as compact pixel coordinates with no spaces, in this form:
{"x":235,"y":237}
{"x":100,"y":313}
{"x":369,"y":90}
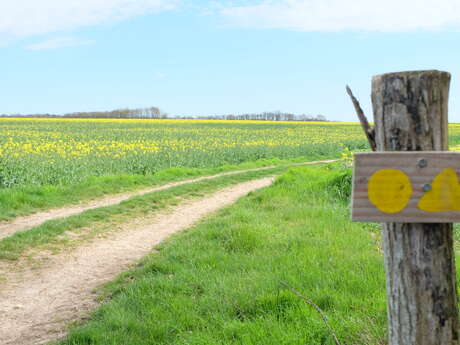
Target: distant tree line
{"x":268,"y":116}
{"x":156,"y":113}
{"x":125,"y":113}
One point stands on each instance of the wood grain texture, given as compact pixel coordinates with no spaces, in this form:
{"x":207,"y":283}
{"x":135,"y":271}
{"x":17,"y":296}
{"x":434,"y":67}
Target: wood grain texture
{"x":420,"y":175}
{"x":410,"y":114}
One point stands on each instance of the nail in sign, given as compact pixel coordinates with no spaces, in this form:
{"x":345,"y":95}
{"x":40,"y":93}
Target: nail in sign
{"x":406,"y":187}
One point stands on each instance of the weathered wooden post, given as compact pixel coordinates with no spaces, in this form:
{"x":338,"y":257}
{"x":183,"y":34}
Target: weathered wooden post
{"x":410,"y":114}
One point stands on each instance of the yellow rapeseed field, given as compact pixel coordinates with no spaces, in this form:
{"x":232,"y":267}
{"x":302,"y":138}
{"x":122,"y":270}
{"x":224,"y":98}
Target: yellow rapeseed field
{"x":55,"y":151}
{"x":116,"y":138}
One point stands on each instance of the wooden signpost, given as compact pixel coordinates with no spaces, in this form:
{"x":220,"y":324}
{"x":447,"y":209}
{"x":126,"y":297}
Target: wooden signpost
{"x":416,"y":195}
{"x":406,"y":187}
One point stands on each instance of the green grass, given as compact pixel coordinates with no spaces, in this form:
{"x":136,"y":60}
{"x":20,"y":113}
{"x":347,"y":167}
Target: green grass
{"x":221,"y":281}
{"x":26,"y":200}
{"x":51,"y":234}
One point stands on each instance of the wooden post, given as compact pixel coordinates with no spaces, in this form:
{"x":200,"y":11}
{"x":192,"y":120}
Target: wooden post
{"x":410,"y":114}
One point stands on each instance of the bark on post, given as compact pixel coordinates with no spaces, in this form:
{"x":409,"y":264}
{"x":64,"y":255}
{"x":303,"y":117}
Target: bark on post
{"x":410,"y":114}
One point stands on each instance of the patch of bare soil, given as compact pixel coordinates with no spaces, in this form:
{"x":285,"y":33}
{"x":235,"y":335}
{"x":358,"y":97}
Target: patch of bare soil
{"x":26,"y":222}
{"x":36,"y":304}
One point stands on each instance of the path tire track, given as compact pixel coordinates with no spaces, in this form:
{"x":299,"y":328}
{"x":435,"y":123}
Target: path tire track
{"x":26,"y":222}
{"x":37,"y":304}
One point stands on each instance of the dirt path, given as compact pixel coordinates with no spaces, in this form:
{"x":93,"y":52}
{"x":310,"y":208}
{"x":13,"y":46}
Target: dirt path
{"x":36,"y":304}
{"x":27,"y":222}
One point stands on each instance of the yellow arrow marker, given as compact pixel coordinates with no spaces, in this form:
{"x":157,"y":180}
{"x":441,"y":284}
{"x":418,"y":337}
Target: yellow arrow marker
{"x":389,"y":190}
{"x":444,"y":194}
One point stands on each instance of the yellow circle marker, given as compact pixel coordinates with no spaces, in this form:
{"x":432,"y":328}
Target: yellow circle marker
{"x":389,"y":190}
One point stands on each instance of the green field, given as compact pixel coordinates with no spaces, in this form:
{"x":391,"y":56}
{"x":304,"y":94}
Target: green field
{"x":66,"y":151}
{"x":223,"y":281}
{"x":233,"y":278}
{"x":43,"y":152}
{"x":88,"y":224}
{"x":52,"y":162}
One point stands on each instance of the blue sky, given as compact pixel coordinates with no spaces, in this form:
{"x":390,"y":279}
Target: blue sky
{"x":218,"y":57}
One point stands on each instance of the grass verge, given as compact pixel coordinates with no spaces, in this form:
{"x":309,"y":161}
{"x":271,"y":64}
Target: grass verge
{"x":26,"y":200}
{"x":52,"y":234}
{"x":222,"y":282}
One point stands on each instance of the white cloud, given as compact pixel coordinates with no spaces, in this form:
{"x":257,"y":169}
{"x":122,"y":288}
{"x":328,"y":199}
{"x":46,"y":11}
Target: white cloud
{"x":25,"y":18}
{"x":58,"y":42}
{"x":338,"y":15}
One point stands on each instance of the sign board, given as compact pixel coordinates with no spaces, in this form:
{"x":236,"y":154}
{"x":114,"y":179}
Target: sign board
{"x":406,"y":187}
